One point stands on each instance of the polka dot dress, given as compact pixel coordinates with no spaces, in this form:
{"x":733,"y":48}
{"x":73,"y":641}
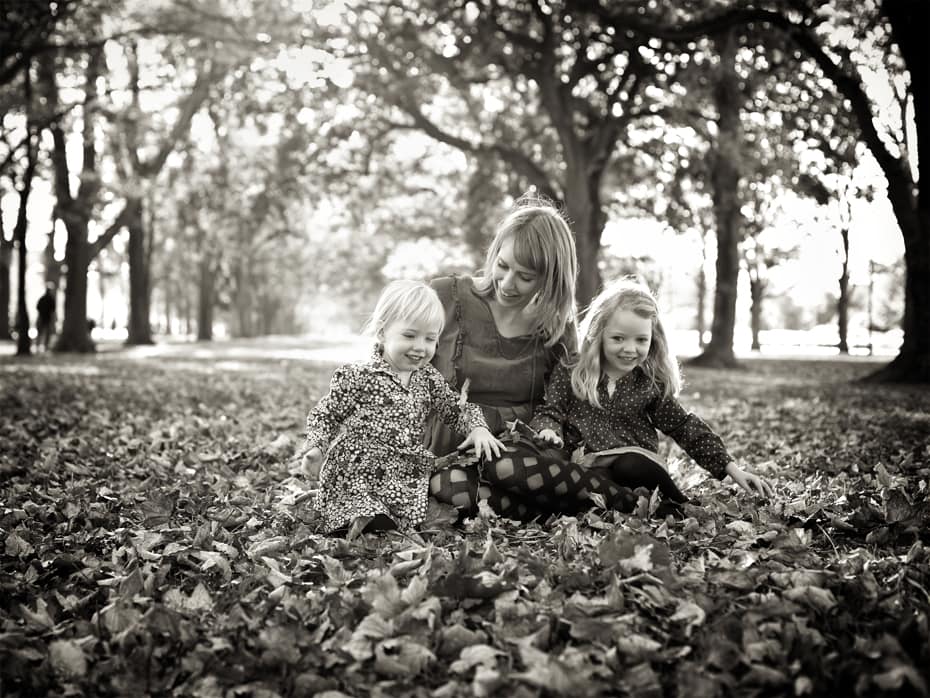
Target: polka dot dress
{"x":629,"y":417}
{"x":371,"y":429}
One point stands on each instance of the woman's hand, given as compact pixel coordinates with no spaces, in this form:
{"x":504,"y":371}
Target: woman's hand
{"x":484,"y":443}
{"x":749,"y":482}
{"x":548,"y":436}
{"x":312,"y":463}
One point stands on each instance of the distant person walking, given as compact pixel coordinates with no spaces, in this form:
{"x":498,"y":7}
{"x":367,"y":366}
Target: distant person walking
{"x":45,"y":322}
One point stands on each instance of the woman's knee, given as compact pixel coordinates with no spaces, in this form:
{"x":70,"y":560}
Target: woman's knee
{"x":523,"y":465}
{"x":455,"y":486}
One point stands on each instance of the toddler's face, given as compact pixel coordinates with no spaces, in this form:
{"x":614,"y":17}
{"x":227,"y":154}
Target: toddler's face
{"x":409,"y":344}
{"x":625,"y":342}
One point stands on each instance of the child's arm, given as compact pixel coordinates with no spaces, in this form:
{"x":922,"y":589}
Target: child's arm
{"x":462,"y":416}
{"x":703,"y":445}
{"x":325,"y":419}
{"x":749,"y":482}
{"x":551,"y":415}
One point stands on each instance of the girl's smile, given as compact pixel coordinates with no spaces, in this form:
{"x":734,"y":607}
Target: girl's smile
{"x":625,"y":342}
{"x":409,"y":344}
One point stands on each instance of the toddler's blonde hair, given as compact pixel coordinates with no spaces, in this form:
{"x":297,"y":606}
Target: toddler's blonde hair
{"x":405,"y":300}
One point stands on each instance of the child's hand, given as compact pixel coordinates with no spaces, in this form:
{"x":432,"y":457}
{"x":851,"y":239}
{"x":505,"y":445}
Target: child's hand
{"x":749,"y":482}
{"x":548,"y":436}
{"x":484,"y":443}
{"x":312,"y":463}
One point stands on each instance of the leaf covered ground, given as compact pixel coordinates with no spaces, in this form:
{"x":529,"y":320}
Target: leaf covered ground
{"x":157,"y":539}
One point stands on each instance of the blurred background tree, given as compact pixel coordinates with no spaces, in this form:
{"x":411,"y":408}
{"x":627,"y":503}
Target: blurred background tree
{"x":264,"y":166}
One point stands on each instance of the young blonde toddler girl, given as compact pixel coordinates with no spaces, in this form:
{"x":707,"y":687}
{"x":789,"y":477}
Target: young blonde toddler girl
{"x":365,"y":437}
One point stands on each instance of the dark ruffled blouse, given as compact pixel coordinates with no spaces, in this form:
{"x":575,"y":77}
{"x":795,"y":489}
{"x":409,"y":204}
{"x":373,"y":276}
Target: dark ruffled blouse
{"x":507,"y":374}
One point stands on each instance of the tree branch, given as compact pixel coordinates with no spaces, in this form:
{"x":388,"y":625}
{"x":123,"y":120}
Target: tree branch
{"x":193,"y":102}
{"x":121,"y":220}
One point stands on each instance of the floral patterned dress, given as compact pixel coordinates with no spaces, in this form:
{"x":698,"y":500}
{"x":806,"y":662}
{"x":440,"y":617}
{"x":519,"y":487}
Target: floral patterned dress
{"x":370,"y":428}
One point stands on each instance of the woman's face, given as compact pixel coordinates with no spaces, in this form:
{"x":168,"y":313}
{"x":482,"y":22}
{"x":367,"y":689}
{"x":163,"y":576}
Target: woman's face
{"x":514,"y":284}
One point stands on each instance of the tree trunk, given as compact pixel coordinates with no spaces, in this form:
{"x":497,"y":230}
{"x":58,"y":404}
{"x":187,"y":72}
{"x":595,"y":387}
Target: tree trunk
{"x":75,"y":211}
{"x":701,"y":302}
{"x":139,"y":330}
{"x":75,"y":334}
{"x":724,"y":178}
{"x":6,"y":268}
{"x":23,"y":342}
{"x":756,"y":291}
{"x":169,"y":301}
{"x":205,"y":294}
{"x":912,"y":364}
{"x":842,"y":303}
{"x":911,"y":200}
{"x":586,"y":219}
{"x":188,"y":320}
{"x":52,"y":266}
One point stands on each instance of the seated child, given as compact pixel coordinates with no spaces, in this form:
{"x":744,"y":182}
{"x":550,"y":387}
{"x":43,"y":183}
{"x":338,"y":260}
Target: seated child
{"x":624,"y":387}
{"x":365,"y":437}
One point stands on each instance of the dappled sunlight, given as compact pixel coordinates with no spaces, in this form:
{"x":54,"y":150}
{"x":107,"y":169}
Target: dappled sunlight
{"x":315,"y":349}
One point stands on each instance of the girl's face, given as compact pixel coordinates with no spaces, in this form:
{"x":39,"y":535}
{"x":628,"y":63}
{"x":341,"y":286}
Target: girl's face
{"x":625,"y":342}
{"x":514,"y":284}
{"x":409,"y":344}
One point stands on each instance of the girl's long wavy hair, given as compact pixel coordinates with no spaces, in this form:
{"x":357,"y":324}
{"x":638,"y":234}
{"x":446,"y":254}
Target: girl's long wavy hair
{"x":543,"y":242}
{"x":659,"y":365}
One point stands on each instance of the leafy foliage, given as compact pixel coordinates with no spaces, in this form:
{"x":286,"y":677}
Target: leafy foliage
{"x":158,"y":539}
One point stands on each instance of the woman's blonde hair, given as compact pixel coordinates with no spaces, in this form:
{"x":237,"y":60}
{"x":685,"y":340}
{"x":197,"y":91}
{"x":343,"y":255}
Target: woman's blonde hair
{"x":659,"y":365}
{"x":405,"y":300}
{"x":543,"y":242}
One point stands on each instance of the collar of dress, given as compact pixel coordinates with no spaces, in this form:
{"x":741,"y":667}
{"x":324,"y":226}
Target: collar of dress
{"x":378,"y":364}
{"x":605,"y":379}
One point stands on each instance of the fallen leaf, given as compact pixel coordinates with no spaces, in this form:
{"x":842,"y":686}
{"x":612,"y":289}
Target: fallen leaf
{"x":17,"y":546}
{"x":400,"y":656}
{"x":821,"y":599}
{"x":476,"y":655}
{"x":67,"y":659}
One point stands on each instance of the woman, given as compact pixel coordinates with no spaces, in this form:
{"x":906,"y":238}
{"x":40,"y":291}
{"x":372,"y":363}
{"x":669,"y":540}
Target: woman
{"x":504,"y":332}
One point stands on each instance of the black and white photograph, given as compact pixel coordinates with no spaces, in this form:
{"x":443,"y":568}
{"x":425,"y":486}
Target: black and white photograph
{"x":453,"y":348}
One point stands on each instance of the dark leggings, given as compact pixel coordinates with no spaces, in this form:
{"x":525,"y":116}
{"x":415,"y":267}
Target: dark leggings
{"x":528,"y":481}
{"x":377,"y":524}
